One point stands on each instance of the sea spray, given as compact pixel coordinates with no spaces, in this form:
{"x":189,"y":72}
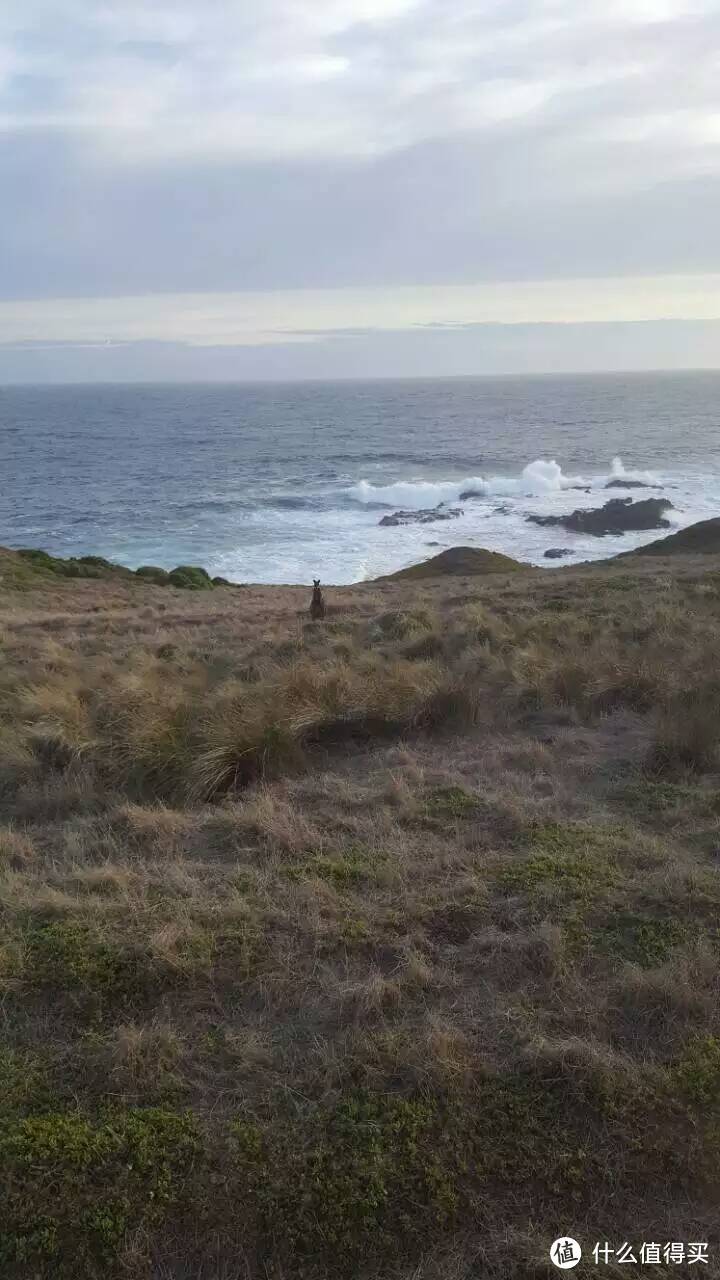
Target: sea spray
{"x":537,"y":478}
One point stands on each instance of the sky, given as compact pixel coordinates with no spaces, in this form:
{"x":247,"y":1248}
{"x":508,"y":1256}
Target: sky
{"x":346,"y":188}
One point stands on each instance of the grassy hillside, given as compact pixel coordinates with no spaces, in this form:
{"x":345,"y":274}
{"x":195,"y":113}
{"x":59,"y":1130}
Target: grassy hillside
{"x":702,"y":538}
{"x":458,"y":561}
{"x":385,"y":946}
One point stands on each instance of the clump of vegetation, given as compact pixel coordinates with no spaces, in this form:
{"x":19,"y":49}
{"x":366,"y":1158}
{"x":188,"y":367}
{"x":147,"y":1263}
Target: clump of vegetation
{"x":696,"y":1074}
{"x":641,"y":939}
{"x":687,"y":737}
{"x":152,"y":573}
{"x":191,"y":577}
{"x":451,"y":802}
{"x":74,"y":1188}
{"x":569,"y":857}
{"x":71,"y":957}
{"x":354,"y":865}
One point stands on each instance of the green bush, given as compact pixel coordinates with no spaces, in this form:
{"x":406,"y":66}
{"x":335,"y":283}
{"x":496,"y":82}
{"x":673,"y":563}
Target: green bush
{"x":153,"y":573}
{"x":191,"y":577}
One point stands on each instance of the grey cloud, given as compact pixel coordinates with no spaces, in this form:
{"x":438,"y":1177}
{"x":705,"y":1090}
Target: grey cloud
{"x":439,"y":212}
{"x":192,"y":147}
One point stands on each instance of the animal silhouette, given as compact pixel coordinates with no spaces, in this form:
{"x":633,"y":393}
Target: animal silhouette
{"x":317,"y":604}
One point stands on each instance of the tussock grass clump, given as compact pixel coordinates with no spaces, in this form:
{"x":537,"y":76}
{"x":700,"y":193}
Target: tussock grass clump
{"x":687,"y":737}
{"x":265,"y":730}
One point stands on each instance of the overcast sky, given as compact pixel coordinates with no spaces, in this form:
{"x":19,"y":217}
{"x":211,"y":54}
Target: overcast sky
{"x":318,"y":188}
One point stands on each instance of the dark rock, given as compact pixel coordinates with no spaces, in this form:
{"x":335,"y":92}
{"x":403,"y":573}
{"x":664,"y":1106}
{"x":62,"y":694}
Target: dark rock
{"x":425,"y":516}
{"x":502,"y":510}
{"x":471,"y":493}
{"x":555,"y":553}
{"x":617,"y":516}
{"x":630,"y":484}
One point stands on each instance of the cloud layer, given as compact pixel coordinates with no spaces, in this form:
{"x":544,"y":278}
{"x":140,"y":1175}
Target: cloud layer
{"x":361,"y":78}
{"x":200,"y":146}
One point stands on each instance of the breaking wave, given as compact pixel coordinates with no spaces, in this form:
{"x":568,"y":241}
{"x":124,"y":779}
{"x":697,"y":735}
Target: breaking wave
{"x":618,"y":472}
{"x":536,"y":479}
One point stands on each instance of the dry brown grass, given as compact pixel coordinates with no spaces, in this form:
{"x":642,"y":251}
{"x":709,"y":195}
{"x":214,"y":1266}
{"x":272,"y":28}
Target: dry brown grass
{"x":384,"y":946}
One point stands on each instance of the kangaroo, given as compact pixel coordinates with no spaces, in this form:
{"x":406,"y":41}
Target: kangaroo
{"x":317,"y":604}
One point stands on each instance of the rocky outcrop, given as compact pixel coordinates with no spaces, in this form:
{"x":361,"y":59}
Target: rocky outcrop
{"x":619,"y":515}
{"x":556,"y":553}
{"x":425,"y":516}
{"x":630,"y":484}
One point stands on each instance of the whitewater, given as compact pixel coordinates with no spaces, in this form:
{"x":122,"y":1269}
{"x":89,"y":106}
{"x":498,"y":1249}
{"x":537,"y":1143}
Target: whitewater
{"x":494,"y":515}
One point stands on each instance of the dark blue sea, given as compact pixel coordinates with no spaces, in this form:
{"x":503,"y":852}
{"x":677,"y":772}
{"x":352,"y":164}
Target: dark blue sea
{"x":286,"y":482}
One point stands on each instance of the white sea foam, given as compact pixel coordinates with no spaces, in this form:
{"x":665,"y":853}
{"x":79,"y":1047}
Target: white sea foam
{"x":537,"y":478}
{"x":346,"y":543}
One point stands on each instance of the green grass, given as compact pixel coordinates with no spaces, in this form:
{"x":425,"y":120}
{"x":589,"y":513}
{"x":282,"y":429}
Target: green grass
{"x":82,"y":961}
{"x":353,"y":866}
{"x":629,"y":936}
{"x":451,"y":802}
{"x":338,"y":1186}
{"x":572,"y":858}
{"x":74,"y":1187}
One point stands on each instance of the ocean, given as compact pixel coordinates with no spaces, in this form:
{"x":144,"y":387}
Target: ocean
{"x":281,"y":483}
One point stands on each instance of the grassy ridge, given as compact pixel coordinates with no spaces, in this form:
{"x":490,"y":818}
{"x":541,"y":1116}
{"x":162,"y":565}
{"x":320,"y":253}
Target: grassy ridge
{"x":21,"y":569}
{"x":383,"y":946}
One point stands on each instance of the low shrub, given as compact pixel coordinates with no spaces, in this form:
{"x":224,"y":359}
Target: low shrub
{"x":191,"y":577}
